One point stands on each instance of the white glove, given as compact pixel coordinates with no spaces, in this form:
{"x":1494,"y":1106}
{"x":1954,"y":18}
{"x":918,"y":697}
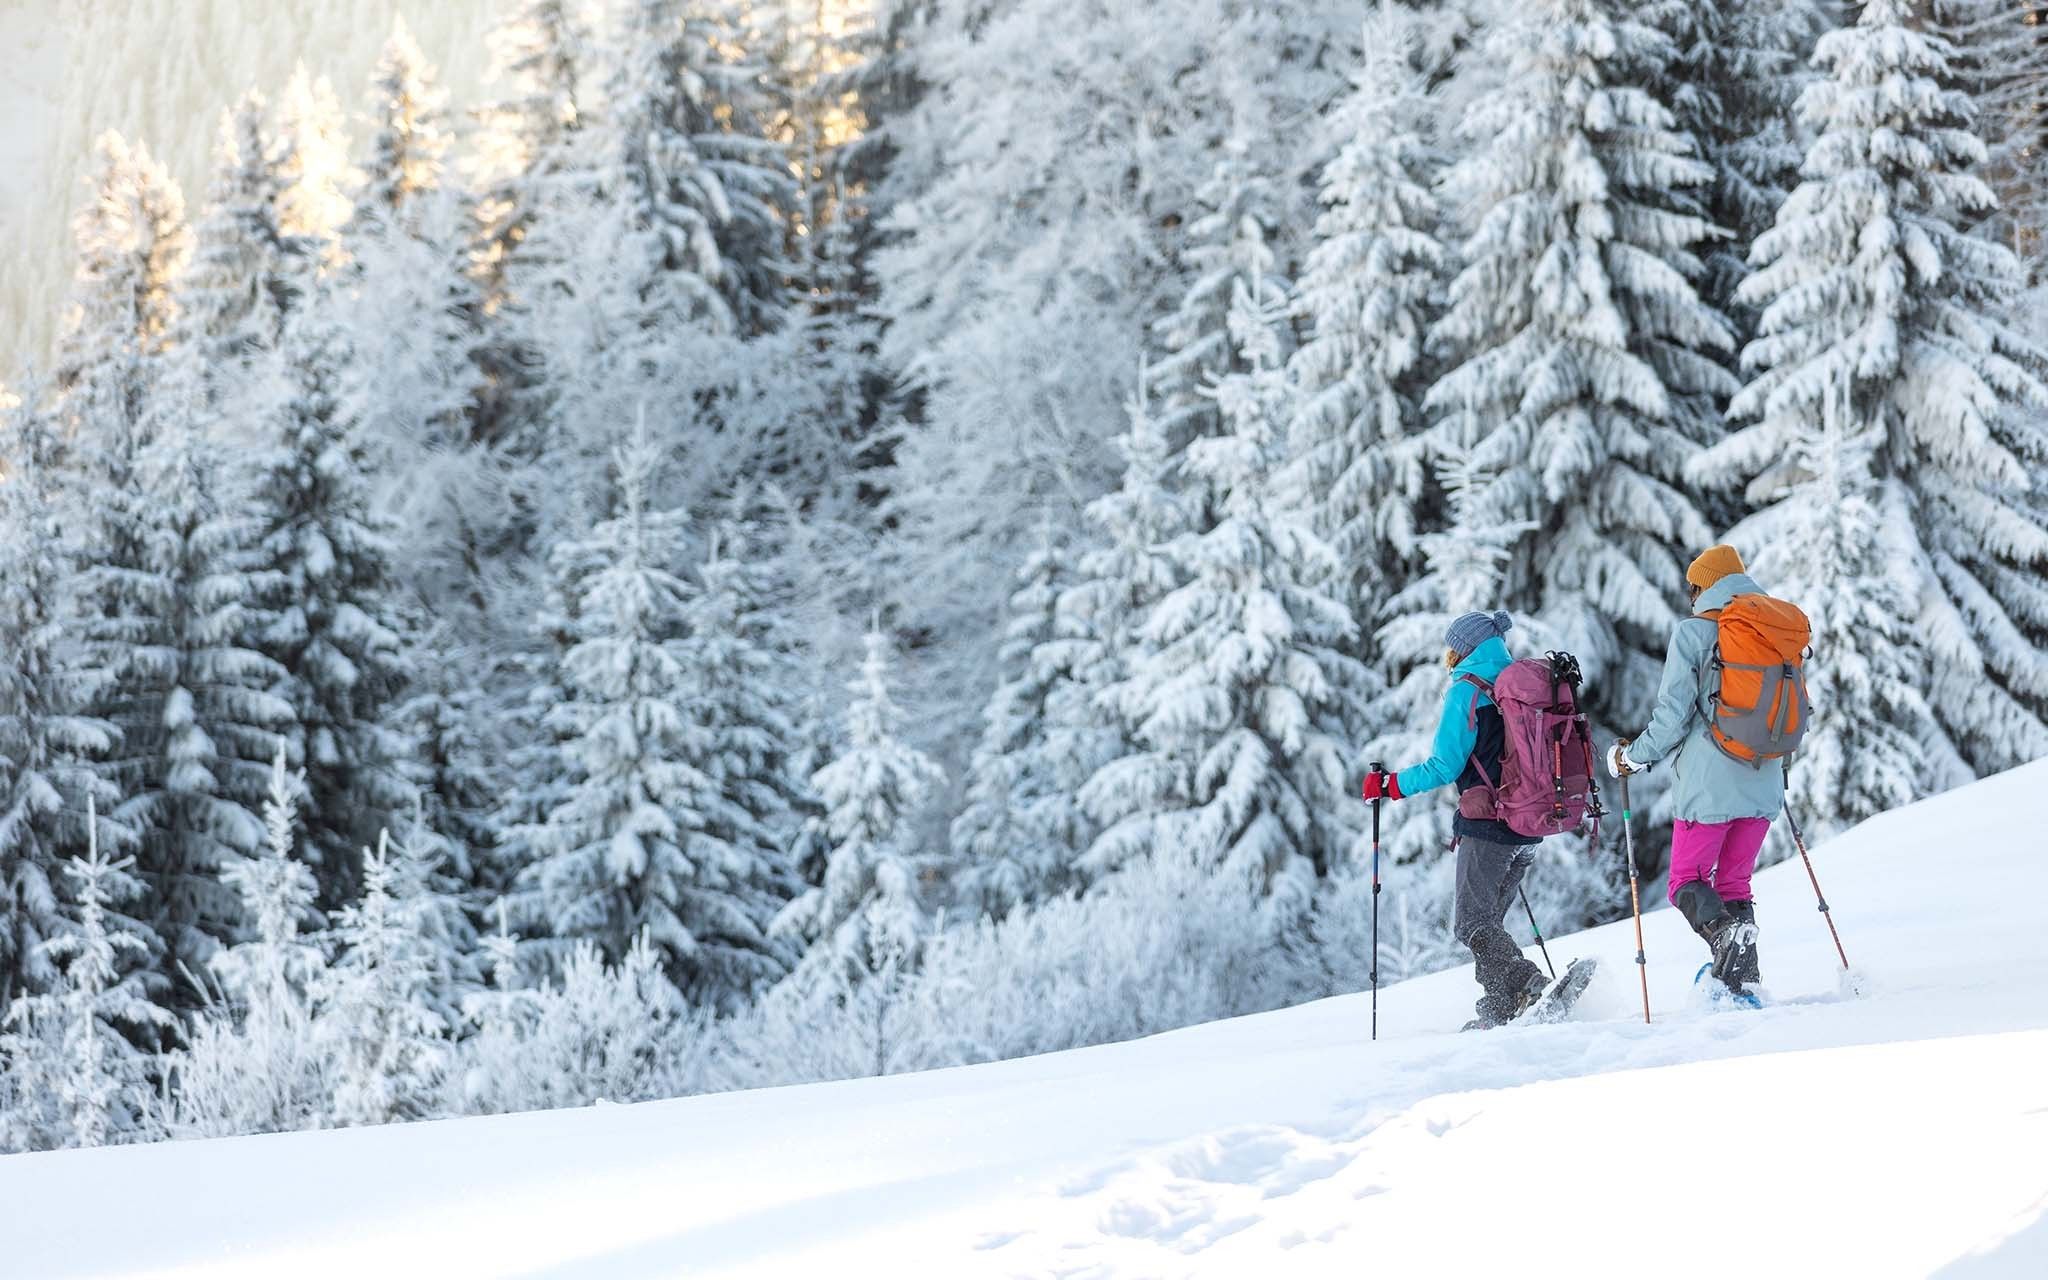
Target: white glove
{"x":1618,"y":763}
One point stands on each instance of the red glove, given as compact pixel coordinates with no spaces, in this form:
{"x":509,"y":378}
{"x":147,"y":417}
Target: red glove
{"x":1382,"y":786}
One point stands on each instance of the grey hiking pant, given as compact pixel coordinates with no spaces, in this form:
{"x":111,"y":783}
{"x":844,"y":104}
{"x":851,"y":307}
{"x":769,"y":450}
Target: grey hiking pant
{"x":1489,"y":874}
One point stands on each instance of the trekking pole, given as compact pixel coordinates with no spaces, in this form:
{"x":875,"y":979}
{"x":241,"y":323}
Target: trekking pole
{"x":1635,"y":900}
{"x":1533,"y":928}
{"x":1826,"y":914}
{"x":1378,"y":768}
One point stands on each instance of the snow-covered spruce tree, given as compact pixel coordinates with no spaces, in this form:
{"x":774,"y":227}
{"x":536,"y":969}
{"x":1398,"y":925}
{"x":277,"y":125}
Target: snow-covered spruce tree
{"x":131,"y":242}
{"x":252,"y":1063}
{"x":1999,"y":57}
{"x":318,"y":182}
{"x":386,"y":1042}
{"x":626,"y":332}
{"x":451,"y":720}
{"x":862,"y":108}
{"x":410,"y":144}
{"x":196,"y":707}
{"x":327,"y":614}
{"x":886,"y":80}
{"x":536,"y":777}
{"x":1739,"y":68}
{"x":132,"y":245}
{"x":246,"y":273}
{"x":71,"y":1051}
{"x":657,"y":835}
{"x":1228,"y":253}
{"x":1244,"y":704}
{"x":1098,"y":624}
{"x":1369,"y":292}
{"x":163,"y":582}
{"x":406,"y":240}
{"x":47,"y":741}
{"x":1037,"y":208}
{"x":812,"y":393}
{"x":1584,"y":368}
{"x":413,"y":304}
{"x":689,"y":157}
{"x":543,"y":54}
{"x":866,"y":904}
{"x":604,"y":860}
{"x":835,"y":408}
{"x":741,"y":680}
{"x":1840,"y":542}
{"x":1016,"y":841}
{"x":1884,"y":318}
{"x":412,"y":380}
{"x":603,"y":344}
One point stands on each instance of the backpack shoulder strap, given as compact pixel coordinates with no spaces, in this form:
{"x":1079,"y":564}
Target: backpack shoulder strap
{"x":1489,"y":784}
{"x":1483,"y":686}
{"x":1703,"y":677}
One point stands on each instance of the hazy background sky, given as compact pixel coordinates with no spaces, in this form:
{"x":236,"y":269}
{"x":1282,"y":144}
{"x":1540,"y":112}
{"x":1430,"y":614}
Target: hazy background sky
{"x":160,"y":71}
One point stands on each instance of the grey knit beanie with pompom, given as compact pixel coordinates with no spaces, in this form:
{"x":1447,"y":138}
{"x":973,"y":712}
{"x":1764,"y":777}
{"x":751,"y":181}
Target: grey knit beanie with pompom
{"x":1475,"y":629}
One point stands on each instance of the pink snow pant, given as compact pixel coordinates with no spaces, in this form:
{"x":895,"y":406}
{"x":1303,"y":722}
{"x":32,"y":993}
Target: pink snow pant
{"x":1719,"y":854}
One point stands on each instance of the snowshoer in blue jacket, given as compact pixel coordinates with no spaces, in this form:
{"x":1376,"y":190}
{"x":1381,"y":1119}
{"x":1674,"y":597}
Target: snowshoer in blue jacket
{"x":1492,"y":857}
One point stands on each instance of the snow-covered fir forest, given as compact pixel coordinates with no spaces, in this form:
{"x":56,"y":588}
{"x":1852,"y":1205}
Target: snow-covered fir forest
{"x":808,"y":540}
{"x":160,"y":71}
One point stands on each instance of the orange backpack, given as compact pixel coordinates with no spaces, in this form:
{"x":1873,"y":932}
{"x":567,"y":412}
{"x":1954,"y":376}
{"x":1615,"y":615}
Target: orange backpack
{"x":1760,"y":705}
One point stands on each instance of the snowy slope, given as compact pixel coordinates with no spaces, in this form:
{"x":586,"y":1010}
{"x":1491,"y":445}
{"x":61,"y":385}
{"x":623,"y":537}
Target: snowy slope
{"x":1901,"y":1134}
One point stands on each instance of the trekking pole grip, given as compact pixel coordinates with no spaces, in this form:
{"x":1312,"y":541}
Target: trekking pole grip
{"x":1379,"y":771}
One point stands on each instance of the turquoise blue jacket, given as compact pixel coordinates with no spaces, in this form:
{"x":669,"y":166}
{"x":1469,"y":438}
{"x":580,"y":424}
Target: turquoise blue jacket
{"x":1707,"y":785}
{"x":1455,"y":733}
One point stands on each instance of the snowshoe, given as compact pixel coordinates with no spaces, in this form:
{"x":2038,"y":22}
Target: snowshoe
{"x":1723,"y":995}
{"x":1555,"y":1004}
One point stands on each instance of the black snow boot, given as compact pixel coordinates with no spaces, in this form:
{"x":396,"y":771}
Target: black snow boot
{"x":1730,"y":932}
{"x":1497,"y":1010}
{"x":1751,"y":969}
{"x":1734,"y":950}
{"x":1534,"y":984}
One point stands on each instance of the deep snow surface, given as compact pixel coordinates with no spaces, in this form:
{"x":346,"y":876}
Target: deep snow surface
{"x":1900,"y":1134}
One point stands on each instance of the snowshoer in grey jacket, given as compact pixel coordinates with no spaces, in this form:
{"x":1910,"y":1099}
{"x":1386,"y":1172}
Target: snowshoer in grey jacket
{"x":1492,"y":856}
{"x":1723,"y":806}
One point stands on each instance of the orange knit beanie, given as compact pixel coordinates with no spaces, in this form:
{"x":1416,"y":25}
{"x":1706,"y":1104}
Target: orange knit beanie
{"x":1714,"y":564}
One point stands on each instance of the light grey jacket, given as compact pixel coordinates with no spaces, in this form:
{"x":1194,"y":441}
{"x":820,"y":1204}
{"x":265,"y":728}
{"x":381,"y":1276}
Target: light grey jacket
{"x":1707,"y":785}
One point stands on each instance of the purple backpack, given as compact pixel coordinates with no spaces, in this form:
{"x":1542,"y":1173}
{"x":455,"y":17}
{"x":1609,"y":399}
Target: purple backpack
{"x":1546,"y":767}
